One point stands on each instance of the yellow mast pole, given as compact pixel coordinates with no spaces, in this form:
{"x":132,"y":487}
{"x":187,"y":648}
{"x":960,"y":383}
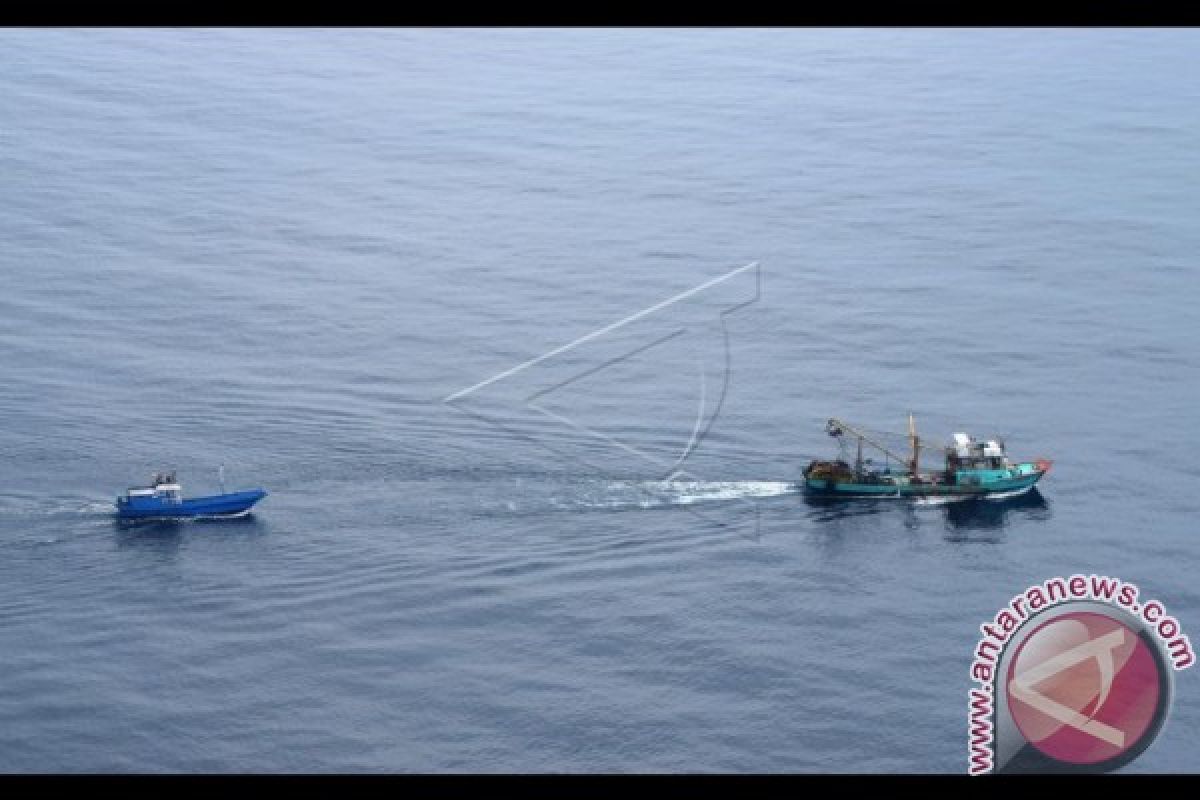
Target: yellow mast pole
{"x":916,"y":441}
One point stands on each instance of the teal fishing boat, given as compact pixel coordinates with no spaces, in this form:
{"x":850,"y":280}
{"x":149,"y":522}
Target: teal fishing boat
{"x":971,"y":467}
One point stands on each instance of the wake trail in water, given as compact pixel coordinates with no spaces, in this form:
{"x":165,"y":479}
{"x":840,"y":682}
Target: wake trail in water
{"x":34,"y":507}
{"x":937,"y":501}
{"x":686,"y":492}
{"x":1005,"y":495}
{"x":664,"y":494}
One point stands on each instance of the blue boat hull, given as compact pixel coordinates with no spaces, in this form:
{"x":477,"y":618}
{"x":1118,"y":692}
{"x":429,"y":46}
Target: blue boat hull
{"x":222,"y":505}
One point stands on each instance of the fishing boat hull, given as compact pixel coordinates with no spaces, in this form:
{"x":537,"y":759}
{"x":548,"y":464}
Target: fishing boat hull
{"x":222,"y":505}
{"x":905,"y":487}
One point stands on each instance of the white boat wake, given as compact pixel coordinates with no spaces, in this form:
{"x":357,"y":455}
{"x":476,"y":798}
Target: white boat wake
{"x":1004,"y":495}
{"x":33,"y":507}
{"x":688,"y":492}
{"x":939,"y":500}
{"x":620,"y":495}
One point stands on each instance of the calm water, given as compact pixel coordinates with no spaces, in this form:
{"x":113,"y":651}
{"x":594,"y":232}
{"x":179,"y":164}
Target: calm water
{"x":281,"y":250}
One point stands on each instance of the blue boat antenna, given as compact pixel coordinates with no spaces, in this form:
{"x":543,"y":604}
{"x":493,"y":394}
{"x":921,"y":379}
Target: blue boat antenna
{"x":221,"y":477}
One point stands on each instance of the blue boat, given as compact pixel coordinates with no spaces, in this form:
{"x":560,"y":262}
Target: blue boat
{"x":971,"y":468}
{"x":163,"y":499}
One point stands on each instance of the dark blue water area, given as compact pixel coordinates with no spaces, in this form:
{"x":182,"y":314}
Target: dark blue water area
{"x":283,"y":250}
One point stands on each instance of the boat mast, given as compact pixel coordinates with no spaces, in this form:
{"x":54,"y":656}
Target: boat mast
{"x":916,"y":441}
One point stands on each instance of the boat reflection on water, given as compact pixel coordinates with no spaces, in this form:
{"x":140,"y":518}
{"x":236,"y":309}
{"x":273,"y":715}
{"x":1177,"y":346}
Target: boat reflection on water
{"x":164,"y":534}
{"x":960,"y":515}
{"x":986,"y":514}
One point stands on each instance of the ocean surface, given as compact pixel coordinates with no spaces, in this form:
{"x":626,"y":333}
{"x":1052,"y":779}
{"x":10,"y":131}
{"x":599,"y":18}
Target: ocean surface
{"x":466,"y":303}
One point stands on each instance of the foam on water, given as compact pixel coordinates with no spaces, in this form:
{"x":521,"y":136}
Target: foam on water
{"x":1003,"y":495}
{"x":687,"y":492}
{"x":937,"y":501}
{"x":660,"y":494}
{"x":27,"y":506}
